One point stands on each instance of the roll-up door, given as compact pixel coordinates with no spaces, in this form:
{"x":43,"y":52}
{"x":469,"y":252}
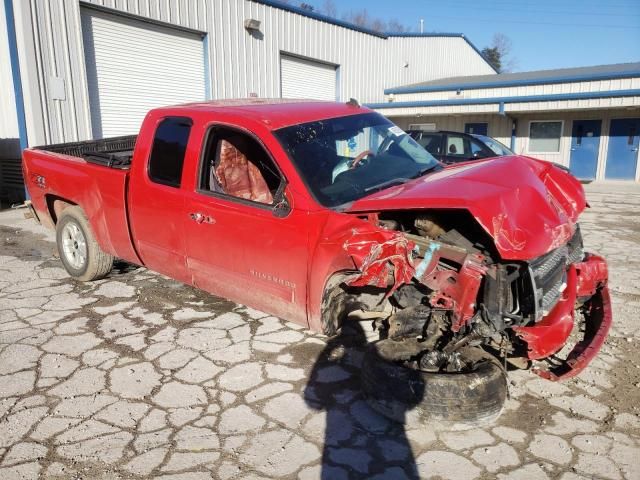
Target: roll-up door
{"x":134,"y":66}
{"x":302,"y":78}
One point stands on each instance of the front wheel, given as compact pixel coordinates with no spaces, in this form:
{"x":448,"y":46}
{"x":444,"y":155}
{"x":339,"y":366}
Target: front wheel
{"x":474,"y":395}
{"x":81,"y":255}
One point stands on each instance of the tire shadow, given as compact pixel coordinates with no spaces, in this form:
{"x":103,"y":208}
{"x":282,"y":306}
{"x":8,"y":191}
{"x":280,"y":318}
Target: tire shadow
{"x":358,"y":443}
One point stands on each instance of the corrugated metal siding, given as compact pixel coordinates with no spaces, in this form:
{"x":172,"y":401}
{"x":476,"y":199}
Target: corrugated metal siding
{"x":240,"y":63}
{"x":518,"y":91}
{"x":428,"y":58}
{"x":8,"y":116}
{"x":50,"y":46}
{"x":135,"y":66}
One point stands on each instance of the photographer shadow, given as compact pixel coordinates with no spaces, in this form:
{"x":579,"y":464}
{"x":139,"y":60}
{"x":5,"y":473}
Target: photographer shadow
{"x":359,"y":443}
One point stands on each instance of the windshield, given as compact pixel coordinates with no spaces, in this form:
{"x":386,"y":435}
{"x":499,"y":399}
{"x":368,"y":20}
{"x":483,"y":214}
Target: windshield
{"x":346,"y":158}
{"x":497,"y":147}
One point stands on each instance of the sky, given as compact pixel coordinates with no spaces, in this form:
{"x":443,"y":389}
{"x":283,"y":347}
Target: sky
{"x":544,"y":33}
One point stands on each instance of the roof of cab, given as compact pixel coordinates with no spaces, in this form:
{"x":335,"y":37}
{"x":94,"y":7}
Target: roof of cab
{"x":275,"y":113}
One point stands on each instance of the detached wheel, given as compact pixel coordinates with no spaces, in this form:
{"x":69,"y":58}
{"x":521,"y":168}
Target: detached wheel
{"x":80,"y":253}
{"x":474,"y":396}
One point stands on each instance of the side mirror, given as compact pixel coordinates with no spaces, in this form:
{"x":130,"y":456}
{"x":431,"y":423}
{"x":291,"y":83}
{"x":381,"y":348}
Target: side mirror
{"x":281,"y":207}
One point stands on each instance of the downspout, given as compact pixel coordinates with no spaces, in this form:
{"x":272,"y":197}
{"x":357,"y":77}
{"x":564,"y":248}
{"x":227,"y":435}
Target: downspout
{"x":15,"y":74}
{"x":514,"y":132}
{"x":514,"y":126}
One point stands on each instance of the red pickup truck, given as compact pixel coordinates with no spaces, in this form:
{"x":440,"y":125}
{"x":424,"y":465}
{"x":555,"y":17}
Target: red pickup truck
{"x":327,"y":213}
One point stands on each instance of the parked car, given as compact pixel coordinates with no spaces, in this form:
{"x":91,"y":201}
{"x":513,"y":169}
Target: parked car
{"x":451,"y":147}
{"x":326,"y":213}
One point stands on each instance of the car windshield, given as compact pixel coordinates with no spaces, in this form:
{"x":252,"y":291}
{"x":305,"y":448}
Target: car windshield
{"x":497,"y":147}
{"x":346,"y":158}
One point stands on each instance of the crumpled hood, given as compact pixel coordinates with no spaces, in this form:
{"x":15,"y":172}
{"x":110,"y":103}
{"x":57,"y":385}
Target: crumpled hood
{"x":527,"y":206}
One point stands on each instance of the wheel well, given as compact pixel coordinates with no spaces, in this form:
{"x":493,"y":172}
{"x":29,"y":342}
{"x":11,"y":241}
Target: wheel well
{"x":338,"y":299}
{"x":56,"y":205}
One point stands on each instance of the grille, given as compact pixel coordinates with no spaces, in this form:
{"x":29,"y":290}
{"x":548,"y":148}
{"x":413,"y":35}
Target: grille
{"x":576,"y":248}
{"x":549,"y":275}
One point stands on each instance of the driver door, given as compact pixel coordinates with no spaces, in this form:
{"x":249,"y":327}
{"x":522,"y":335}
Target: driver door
{"x":239,"y":244}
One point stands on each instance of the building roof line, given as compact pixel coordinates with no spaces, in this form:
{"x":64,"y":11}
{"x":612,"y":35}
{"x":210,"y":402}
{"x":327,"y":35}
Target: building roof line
{"x":351,"y":26}
{"x":500,"y":81}
{"x":321,"y":17}
{"x":510,"y":99}
{"x":384,"y":35}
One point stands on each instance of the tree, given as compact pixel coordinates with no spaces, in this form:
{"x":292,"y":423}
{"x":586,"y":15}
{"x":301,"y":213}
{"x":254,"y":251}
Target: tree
{"x":498,"y":54}
{"x":394,"y":26}
{"x":329,"y":8}
{"x":493,"y":56}
{"x":362,"y":18}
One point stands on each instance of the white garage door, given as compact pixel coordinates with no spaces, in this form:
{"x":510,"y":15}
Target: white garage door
{"x":301,"y":78}
{"x":133,"y":66}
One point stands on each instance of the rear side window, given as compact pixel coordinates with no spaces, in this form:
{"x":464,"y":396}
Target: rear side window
{"x":431,"y":143}
{"x":167,"y":153}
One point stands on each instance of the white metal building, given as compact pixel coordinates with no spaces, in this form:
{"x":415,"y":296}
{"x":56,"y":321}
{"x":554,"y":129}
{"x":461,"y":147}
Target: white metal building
{"x":73,"y":70}
{"x":587,"y":118}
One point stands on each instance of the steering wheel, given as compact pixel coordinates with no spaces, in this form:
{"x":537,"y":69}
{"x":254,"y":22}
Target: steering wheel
{"x":358,"y":159}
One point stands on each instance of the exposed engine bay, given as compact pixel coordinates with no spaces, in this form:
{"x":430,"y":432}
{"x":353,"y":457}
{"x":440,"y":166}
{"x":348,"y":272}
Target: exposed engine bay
{"x":443,"y":287}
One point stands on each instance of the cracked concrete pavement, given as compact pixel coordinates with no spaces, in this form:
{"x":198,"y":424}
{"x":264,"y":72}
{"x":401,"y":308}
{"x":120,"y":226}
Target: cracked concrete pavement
{"x":141,"y":376}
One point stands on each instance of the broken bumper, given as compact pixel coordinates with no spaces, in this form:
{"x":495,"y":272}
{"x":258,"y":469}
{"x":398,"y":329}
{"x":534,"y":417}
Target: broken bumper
{"x":587,"y":285}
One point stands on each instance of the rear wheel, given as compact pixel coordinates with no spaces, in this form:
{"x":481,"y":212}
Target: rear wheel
{"x":474,"y":395}
{"x":79,"y":252}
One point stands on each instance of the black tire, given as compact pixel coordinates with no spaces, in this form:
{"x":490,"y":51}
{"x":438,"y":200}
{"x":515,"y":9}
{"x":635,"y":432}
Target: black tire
{"x":473,"y":398}
{"x":334,"y":304}
{"x":97,"y":264}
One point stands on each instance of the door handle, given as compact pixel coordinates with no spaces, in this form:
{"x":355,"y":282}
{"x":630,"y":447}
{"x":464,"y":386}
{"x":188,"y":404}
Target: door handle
{"x":201,"y":218}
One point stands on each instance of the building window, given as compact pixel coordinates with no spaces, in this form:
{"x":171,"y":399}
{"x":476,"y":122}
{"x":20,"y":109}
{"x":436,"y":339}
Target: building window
{"x":544,"y":137}
{"x":167,"y":153}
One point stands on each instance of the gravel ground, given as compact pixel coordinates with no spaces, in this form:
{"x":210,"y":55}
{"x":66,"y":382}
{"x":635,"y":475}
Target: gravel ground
{"x":140,"y":376}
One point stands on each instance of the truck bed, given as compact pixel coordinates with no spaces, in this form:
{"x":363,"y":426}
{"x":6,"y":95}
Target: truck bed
{"x":84,"y":174}
{"x":114,"y":152}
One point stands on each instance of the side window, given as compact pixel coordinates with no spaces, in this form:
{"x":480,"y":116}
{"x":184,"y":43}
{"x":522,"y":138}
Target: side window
{"x":168,"y":150}
{"x":478,"y":150}
{"x":431,"y":143}
{"x":235,"y":164}
{"x":458,"y":146}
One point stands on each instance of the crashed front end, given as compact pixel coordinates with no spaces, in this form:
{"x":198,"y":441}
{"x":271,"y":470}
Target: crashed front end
{"x":551,"y":313}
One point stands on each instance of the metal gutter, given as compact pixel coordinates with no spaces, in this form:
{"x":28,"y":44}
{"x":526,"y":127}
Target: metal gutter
{"x":15,"y":74}
{"x":207,"y":68}
{"x":514,"y":83}
{"x":504,"y":100}
{"x":321,"y":17}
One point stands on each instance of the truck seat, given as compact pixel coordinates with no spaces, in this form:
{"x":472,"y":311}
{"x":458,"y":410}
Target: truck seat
{"x":239,"y":177}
